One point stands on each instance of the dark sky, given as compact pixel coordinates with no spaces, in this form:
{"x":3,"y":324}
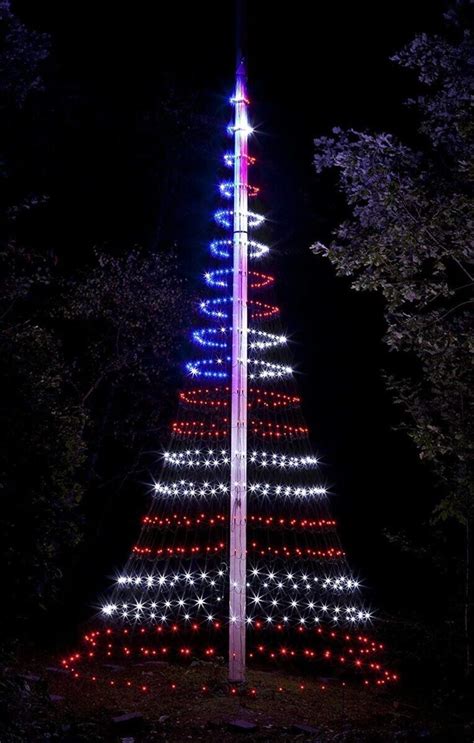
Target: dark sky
{"x":312,"y":66}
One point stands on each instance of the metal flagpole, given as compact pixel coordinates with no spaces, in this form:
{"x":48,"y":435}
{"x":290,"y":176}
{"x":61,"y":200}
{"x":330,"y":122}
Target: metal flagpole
{"x":238,"y":446}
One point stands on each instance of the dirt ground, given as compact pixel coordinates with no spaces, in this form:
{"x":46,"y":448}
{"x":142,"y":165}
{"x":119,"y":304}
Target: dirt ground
{"x":178,"y":703}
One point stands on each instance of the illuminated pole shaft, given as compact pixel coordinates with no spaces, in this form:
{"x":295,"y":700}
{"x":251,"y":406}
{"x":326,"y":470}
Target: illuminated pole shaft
{"x":238,"y":444}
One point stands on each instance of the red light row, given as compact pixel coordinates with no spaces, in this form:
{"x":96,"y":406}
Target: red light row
{"x":299,"y":523}
{"x":266,"y":429}
{"x":367,"y":645}
{"x":173,"y":551}
{"x":219,"y":519}
{"x":283,"y":652}
{"x":263,"y":280}
{"x":344,"y":657}
{"x":284,"y":551}
{"x":263,"y":398}
{"x":232,"y":690}
{"x":262,"y":310}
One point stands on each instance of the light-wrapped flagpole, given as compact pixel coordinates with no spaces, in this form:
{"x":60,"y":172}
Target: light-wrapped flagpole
{"x":238,"y":445}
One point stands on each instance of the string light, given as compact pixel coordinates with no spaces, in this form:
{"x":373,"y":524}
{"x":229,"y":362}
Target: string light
{"x":229,"y":159}
{"x":221,"y":278}
{"x":225,"y":218}
{"x":218,"y":338}
{"x":218,"y":368}
{"x":268,"y":369}
{"x":215,"y":520}
{"x":353,"y":652}
{"x":246,"y":128}
{"x":261,"y":339}
{"x":208,"y":429}
{"x":227,"y":189}
{"x":218,"y":308}
{"x":254,"y":546}
{"x":279,"y":578}
{"x":203,"y":397}
{"x":223,"y":249}
{"x":191,"y":488}
{"x":217,"y":458}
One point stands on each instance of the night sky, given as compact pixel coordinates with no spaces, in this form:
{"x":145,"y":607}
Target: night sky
{"x":312,"y":66}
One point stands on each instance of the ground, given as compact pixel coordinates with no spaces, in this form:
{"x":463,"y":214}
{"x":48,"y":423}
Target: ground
{"x":194,"y":702}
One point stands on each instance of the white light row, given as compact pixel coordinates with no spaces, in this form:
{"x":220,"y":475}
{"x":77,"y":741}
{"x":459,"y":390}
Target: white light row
{"x":296,"y":580}
{"x":223,"y":248}
{"x":265,"y":340}
{"x":297,"y":491}
{"x":289,"y":579}
{"x":268,"y":369}
{"x":256,"y":601}
{"x":189,"y":577}
{"x":225,"y":218}
{"x":189,"y":488}
{"x":266,"y":459}
{"x":265,"y":369}
{"x":216,"y":458}
{"x":246,"y":128}
{"x":204,"y":336}
{"x":142,"y":610}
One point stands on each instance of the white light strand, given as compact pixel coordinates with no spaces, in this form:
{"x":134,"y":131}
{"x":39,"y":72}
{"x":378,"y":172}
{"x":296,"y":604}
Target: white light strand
{"x":217,"y":458}
{"x":224,"y":217}
{"x":305,"y":612}
{"x":266,"y":340}
{"x":215,"y":368}
{"x":296,"y":579}
{"x":299,"y":595}
{"x":269,"y":369}
{"x":189,"y":488}
{"x":212,"y":338}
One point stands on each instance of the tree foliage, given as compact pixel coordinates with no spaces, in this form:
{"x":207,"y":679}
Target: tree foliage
{"x":23,"y":51}
{"x":408,"y":237}
{"x":86,"y":348}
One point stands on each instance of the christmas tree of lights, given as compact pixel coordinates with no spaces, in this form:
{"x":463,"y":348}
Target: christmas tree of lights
{"x":207,"y":576}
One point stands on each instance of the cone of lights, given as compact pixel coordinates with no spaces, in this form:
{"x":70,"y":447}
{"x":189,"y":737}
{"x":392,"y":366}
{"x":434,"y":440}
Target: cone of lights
{"x":177,"y":596}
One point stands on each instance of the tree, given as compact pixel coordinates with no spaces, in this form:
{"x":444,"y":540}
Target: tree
{"x":23,"y":52}
{"x":42,"y":450}
{"x":408,"y":237}
{"x":40,"y":460}
{"x":85,"y":353}
{"x":125,"y":313}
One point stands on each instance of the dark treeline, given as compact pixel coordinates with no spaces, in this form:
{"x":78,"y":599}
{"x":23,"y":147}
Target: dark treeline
{"x":407,"y":237}
{"x":89,"y":329}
